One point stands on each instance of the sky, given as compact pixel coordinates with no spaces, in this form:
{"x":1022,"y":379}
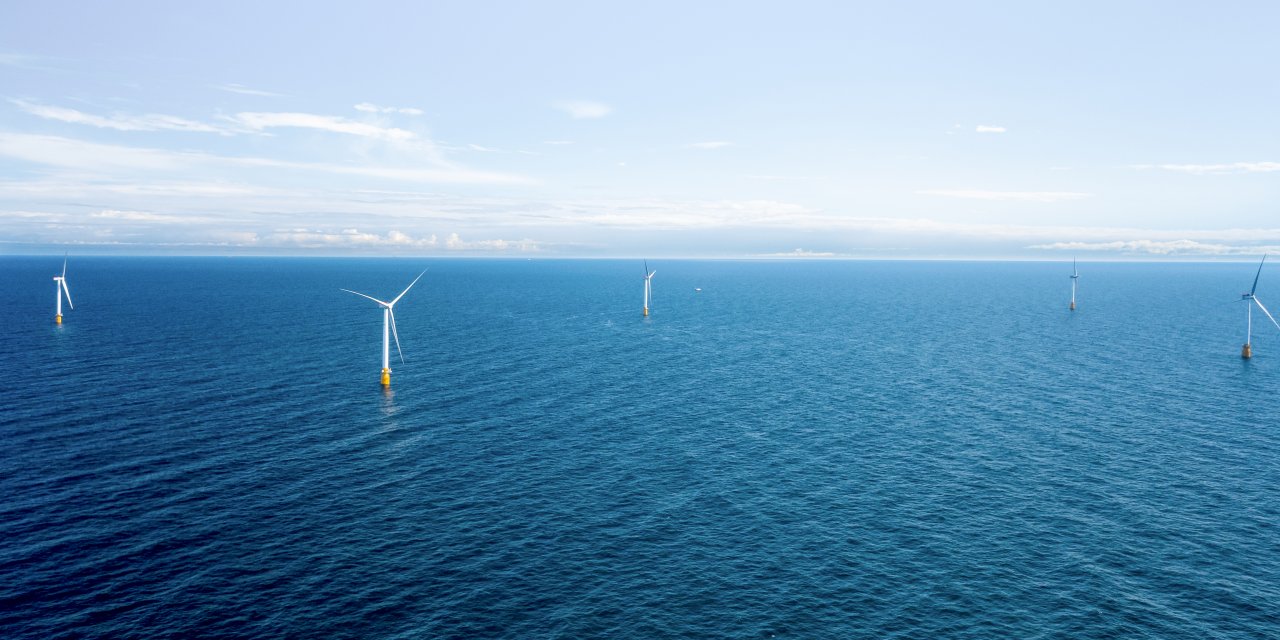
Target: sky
{"x":1011,"y":130}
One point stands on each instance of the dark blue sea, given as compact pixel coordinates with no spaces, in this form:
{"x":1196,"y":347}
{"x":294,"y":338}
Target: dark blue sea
{"x":799,"y":450}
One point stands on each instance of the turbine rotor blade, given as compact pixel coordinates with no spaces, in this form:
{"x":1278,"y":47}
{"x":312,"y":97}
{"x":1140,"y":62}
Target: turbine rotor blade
{"x":394,"y":334}
{"x":67,"y":291}
{"x":406,"y":289}
{"x":646,"y":267}
{"x":364,"y":296}
{"x":1264,"y":310}
{"x":1259,"y":275}
{"x":64,"y":265}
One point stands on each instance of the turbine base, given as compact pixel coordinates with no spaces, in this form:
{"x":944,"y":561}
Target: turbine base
{"x":1246,"y":351}
{"x":1073,"y":305}
{"x":386,"y":377}
{"x":57,"y":319}
{"x":646,"y":311}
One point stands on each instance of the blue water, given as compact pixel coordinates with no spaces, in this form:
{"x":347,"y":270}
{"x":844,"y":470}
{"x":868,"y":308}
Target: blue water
{"x":801,"y":450}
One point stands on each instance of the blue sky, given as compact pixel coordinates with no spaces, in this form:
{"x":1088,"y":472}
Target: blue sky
{"x":918,"y":130}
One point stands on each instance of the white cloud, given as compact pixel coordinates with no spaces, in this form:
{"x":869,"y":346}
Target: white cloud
{"x":456,"y":243}
{"x":798,"y":253}
{"x":584,"y":109}
{"x":119,"y":122}
{"x":263,"y":121}
{"x":243,"y":90}
{"x":133,"y":216}
{"x":988,"y":128}
{"x":718,"y":144}
{"x":166,"y":213}
{"x":1019,"y":196}
{"x":1202,"y":169}
{"x":368,"y":107}
{"x":346,"y":238}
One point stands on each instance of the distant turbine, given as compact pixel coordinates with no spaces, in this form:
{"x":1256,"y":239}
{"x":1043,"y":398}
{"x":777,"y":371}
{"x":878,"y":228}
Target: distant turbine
{"x":389,"y":320}
{"x":1247,"y":351}
{"x":648,"y":286}
{"x":1074,"y":277}
{"x":61,"y":288}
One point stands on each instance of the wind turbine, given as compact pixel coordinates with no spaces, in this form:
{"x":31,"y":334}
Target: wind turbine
{"x":1074,"y":277}
{"x":61,"y":288}
{"x":648,"y":286}
{"x":1247,"y":351}
{"x":389,"y":321}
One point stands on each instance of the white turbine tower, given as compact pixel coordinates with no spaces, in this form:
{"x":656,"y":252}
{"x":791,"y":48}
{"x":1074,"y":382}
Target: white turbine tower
{"x":60,"y":288}
{"x":1247,"y":351}
{"x":648,"y":286}
{"x":389,"y":324}
{"x":1074,"y":277}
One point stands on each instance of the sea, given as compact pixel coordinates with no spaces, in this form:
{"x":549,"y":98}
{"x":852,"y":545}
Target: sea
{"x":780,"y":449}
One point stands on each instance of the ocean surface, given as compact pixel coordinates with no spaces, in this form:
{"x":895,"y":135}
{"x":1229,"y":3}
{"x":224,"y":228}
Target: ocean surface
{"x":799,"y":450}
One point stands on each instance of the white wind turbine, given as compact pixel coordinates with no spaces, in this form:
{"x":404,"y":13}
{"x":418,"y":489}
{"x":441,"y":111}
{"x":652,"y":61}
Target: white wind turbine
{"x":648,"y":286}
{"x":1247,"y":351}
{"x":61,"y":288}
{"x":1074,"y":277}
{"x":389,"y":323}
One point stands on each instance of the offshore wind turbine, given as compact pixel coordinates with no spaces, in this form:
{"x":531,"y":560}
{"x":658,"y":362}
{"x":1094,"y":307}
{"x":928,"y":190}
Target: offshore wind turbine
{"x":59,"y":288}
{"x":389,"y":323}
{"x":648,"y":286}
{"x":1247,"y":351}
{"x":1075,"y":275}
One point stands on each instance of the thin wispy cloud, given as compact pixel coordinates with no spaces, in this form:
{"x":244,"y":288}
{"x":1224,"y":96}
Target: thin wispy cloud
{"x":246,"y":91}
{"x":239,"y":123}
{"x":1203,"y":169}
{"x":716,"y":144}
{"x":136,"y":216}
{"x":581,"y":109}
{"x":989,"y":128}
{"x":772,"y":178}
{"x":28,"y":62}
{"x":100,"y":158}
{"x":260,"y":121}
{"x":1015,"y":196}
{"x":14,"y":59}
{"x":1162,"y":247}
{"x":368,"y":107}
{"x":118,"y":121}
